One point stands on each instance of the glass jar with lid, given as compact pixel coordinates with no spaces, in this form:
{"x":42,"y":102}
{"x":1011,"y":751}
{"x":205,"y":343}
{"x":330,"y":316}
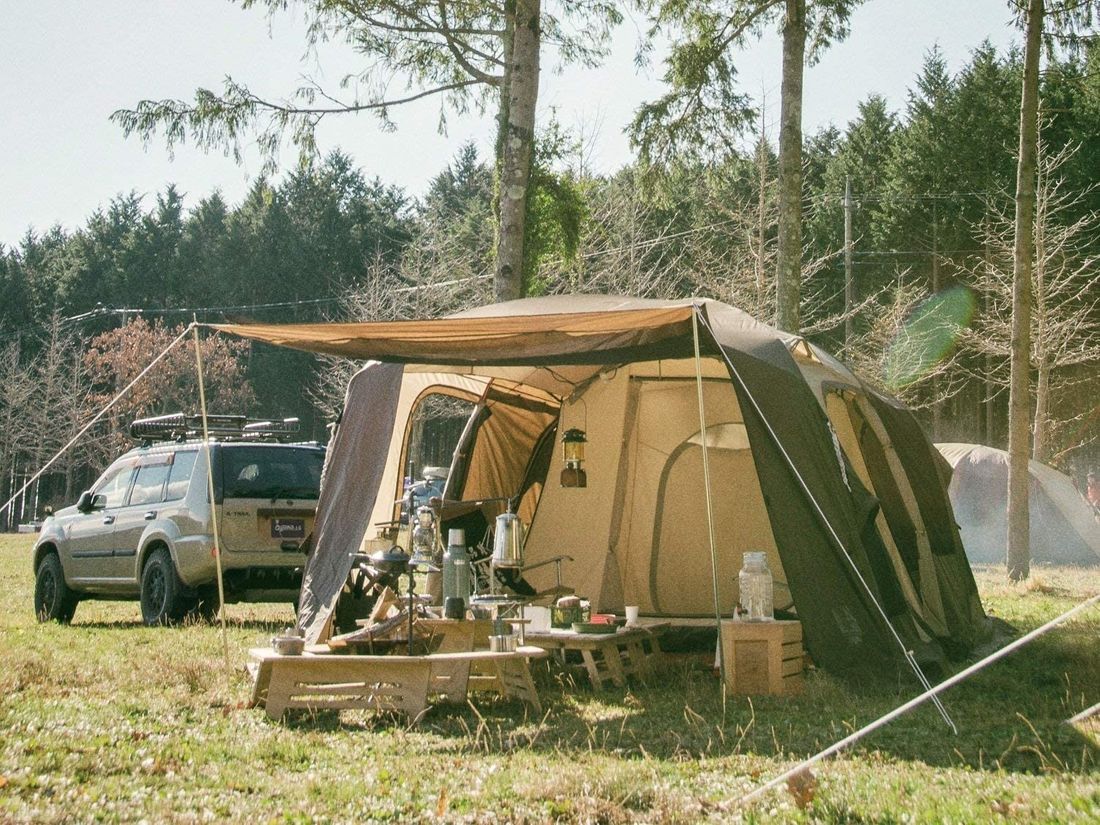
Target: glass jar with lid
{"x":755,"y":588}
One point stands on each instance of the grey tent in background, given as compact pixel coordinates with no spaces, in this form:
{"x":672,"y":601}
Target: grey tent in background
{"x":1063,"y":527}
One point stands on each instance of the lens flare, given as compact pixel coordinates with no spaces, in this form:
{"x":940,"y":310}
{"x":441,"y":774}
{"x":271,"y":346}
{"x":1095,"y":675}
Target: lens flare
{"x":928,"y":336}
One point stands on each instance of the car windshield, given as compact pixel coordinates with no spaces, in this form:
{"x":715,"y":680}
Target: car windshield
{"x":271,"y":472}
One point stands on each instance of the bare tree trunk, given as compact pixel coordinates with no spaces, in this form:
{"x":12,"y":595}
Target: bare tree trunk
{"x":517,"y":149}
{"x":506,"y":39}
{"x":1040,"y":427}
{"x":789,"y":253}
{"x":1019,"y":402}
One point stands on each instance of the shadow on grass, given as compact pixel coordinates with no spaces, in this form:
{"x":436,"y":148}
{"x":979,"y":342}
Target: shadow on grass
{"x":267,"y":625}
{"x":1010,"y":717}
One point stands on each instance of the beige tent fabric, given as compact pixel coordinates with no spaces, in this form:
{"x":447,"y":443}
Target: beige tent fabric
{"x":505,"y":442}
{"x":576,"y":521}
{"x":638,"y":531}
{"x":663,"y":545}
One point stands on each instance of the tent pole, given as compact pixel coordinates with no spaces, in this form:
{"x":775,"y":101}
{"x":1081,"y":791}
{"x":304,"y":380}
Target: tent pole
{"x":210,"y":492}
{"x":95,"y":419}
{"x":906,"y":652}
{"x":710,"y":505}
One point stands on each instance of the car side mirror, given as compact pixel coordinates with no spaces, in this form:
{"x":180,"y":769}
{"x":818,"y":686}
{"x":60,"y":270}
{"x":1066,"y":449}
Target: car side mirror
{"x":89,"y":501}
{"x":48,"y":510}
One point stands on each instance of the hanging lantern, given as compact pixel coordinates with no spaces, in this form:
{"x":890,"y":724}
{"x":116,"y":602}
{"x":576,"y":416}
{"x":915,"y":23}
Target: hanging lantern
{"x":572,"y":446}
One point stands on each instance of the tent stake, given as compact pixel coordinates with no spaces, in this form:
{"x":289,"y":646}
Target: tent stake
{"x":95,"y":419}
{"x":906,"y":652}
{"x":210,"y":492}
{"x":710,"y":507}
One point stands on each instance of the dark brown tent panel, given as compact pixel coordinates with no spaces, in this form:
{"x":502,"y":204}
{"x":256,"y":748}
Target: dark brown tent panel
{"x":807,"y":465}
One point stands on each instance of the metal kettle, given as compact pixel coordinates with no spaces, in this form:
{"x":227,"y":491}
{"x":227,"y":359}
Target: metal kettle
{"x":508,"y":541}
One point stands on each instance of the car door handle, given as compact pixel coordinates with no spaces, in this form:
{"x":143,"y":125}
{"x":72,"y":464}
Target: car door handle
{"x":108,"y":519}
{"x":152,"y":514}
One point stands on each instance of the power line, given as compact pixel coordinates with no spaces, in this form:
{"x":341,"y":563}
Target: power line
{"x":104,"y":312}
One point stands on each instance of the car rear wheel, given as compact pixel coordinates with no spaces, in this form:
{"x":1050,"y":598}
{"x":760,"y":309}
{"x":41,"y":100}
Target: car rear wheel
{"x":53,"y":600}
{"x":163,"y":597}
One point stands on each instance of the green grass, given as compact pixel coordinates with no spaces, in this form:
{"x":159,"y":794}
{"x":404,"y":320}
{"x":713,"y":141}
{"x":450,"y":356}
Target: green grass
{"x":106,"y":720}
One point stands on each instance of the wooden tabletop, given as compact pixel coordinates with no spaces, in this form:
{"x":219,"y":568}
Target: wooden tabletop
{"x":570,"y":638}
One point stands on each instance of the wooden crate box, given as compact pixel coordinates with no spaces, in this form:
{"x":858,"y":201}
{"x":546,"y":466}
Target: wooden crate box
{"x":763,"y":657}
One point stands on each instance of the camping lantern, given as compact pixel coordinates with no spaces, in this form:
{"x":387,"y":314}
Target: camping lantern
{"x":572,"y":447}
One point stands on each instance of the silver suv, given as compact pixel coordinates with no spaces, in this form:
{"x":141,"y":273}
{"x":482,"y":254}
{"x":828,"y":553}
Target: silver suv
{"x":144,"y":530}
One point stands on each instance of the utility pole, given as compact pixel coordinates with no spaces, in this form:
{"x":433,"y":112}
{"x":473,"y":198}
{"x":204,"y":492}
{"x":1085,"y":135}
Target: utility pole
{"x":988,"y":356}
{"x":937,"y":402}
{"x":761,"y":205}
{"x":849,"y":279}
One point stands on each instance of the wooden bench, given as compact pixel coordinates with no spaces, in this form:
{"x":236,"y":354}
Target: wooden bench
{"x":631,"y":651}
{"x":320,"y":681}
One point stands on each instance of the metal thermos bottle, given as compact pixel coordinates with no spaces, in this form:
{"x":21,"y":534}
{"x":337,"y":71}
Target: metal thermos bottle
{"x":456,"y":567}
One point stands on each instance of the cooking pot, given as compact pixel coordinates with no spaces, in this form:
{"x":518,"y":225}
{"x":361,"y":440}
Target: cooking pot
{"x":504,"y":643}
{"x":288,"y":645}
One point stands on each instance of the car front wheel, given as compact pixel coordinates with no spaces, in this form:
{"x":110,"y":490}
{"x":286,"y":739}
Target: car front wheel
{"x":53,"y":600}
{"x":163,"y":598}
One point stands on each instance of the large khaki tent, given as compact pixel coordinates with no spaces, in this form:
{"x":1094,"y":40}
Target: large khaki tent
{"x":837,"y":484}
{"x":1063,"y":528}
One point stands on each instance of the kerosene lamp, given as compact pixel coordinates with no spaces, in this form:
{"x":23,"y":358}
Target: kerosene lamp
{"x":572,"y":449}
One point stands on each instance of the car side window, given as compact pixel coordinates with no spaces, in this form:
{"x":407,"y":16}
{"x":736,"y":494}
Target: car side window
{"x":115,"y":484}
{"x":149,"y":485}
{"x":180,"y":474}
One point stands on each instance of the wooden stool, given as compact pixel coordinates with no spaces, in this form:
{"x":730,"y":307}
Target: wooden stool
{"x":763,"y":657}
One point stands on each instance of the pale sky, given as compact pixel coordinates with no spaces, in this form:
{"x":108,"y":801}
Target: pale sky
{"x":66,"y":65}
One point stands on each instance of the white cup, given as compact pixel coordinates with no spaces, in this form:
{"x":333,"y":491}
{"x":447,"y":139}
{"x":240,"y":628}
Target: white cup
{"x":632,"y":614}
{"x":540,"y":618}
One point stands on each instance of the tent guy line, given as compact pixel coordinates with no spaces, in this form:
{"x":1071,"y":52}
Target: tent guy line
{"x":931,"y":693}
{"x":41,"y":471}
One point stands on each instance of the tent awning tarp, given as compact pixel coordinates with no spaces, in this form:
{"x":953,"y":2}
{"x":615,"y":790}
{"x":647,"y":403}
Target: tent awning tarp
{"x":562,"y":338}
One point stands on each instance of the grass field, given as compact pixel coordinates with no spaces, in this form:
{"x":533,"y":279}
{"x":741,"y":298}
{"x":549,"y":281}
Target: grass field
{"x":107,"y":720}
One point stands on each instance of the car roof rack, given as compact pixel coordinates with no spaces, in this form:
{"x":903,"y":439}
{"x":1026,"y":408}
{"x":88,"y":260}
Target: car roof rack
{"x":184,"y":426}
